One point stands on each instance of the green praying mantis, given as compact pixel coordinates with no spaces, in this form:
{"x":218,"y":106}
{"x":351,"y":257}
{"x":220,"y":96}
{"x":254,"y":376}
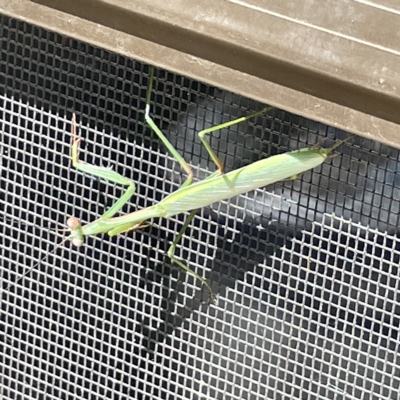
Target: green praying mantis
{"x":190,"y":196}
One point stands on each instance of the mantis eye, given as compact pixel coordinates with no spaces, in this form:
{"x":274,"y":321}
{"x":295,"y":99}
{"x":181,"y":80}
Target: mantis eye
{"x":73,"y":223}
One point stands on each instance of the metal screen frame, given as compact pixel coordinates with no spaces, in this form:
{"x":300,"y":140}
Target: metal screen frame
{"x":336,"y":64}
{"x":306,"y":271}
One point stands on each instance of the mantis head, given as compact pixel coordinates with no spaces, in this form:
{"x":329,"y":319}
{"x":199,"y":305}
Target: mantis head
{"x":75,"y":228}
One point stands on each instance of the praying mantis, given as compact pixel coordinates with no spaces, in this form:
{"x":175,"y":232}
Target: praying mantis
{"x":190,"y":196}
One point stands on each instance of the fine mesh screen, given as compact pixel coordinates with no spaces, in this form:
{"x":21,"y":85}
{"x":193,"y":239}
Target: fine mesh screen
{"x":305,"y":271}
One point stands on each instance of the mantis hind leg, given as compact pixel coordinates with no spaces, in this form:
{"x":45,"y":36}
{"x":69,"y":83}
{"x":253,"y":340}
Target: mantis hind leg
{"x":101,"y":172}
{"x":171,"y":255}
{"x":207,"y":131}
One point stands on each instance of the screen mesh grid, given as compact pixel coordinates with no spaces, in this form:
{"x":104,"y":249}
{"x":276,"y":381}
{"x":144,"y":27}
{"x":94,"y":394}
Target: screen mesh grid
{"x":305,"y":271}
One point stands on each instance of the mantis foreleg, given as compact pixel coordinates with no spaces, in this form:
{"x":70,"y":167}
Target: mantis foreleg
{"x":101,"y":172}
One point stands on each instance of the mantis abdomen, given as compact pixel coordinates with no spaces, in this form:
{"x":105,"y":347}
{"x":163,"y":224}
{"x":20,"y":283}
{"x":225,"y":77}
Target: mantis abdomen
{"x":261,"y":173}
